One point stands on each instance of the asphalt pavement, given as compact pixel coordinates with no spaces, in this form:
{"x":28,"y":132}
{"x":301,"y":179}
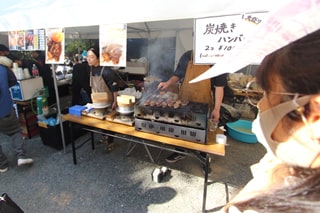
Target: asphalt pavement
{"x":113,"y":182}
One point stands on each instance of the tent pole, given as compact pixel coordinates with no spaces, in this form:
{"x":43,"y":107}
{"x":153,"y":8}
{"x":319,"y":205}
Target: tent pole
{"x":54,"y":67}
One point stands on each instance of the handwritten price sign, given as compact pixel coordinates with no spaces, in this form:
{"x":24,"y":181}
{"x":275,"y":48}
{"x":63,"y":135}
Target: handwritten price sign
{"x":217,"y":36}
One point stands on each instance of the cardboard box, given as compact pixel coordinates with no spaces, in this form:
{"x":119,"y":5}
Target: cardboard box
{"x":26,"y":89}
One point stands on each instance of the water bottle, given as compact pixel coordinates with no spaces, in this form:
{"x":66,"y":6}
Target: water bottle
{"x":35,"y":71}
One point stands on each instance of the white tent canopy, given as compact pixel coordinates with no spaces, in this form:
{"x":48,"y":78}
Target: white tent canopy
{"x":81,"y":20}
{"x":144,"y":16}
{"x":135,"y":30}
{"x":24,"y":14}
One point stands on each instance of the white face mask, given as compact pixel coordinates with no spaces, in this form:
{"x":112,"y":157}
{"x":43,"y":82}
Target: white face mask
{"x":293,"y":152}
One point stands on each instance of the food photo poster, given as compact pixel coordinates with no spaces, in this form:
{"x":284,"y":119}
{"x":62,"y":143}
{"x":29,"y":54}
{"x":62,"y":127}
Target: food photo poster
{"x":25,"y":40}
{"x":55,"y":38}
{"x":113,"y":45}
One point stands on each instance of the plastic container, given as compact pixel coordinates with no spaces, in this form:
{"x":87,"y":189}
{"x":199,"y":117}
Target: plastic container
{"x":26,"y":73}
{"x":76,"y":110}
{"x":240,"y":130}
{"x":221,"y":139}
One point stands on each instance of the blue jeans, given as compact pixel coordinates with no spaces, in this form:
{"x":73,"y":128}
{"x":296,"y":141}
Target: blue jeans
{"x":10,"y":126}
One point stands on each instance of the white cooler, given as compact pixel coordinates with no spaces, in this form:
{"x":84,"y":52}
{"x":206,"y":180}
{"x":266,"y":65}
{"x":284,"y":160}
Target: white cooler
{"x":26,"y":89}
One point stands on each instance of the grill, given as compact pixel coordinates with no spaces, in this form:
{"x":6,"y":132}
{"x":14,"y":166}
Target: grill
{"x":172,"y":130}
{"x":187,"y":122}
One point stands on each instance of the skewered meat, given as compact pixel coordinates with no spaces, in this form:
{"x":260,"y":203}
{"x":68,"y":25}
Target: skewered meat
{"x":184,"y":102}
{"x":152,"y":103}
{"x":146,"y":103}
{"x":165,"y":99}
{"x":164,"y":104}
{"x":176,"y":105}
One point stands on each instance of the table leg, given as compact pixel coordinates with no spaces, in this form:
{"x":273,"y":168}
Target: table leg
{"x":131,"y":147}
{"x":72,"y":143}
{"x":26,"y":120}
{"x":149,"y":153}
{"x":92,"y":140}
{"x":206,"y":168}
{"x":227,"y":192}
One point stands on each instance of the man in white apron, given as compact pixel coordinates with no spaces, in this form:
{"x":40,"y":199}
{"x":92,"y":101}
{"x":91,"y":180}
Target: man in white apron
{"x":196,"y":92}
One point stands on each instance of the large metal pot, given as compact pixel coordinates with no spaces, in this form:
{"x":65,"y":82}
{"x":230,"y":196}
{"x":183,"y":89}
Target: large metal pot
{"x":125,"y":104}
{"x":125,"y":109}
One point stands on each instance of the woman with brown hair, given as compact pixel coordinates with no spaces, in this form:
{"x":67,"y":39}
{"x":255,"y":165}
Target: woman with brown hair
{"x":287,"y":179}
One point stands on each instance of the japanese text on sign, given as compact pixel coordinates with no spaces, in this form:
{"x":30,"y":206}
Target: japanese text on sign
{"x":216,"y":36}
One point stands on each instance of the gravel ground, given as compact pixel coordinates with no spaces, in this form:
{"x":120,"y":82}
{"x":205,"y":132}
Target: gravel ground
{"x":114,"y":182}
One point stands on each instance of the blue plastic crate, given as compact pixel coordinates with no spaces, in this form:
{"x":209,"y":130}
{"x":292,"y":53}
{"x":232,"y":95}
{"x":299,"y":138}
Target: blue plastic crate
{"x":76,"y":110}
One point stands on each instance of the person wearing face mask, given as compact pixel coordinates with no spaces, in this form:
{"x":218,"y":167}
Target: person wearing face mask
{"x":287,"y":179}
{"x":103,"y":79}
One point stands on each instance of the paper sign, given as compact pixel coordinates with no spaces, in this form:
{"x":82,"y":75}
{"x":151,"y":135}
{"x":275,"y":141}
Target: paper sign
{"x":284,"y":25}
{"x":39,"y":39}
{"x":113,"y":45}
{"x":16,"y":40}
{"x":215,"y":37}
{"x":26,"y":40}
{"x":55,"y":46}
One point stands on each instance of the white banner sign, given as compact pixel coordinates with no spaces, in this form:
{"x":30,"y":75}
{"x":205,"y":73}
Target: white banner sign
{"x":27,"y":40}
{"x":55,"y":46}
{"x":113,"y":45}
{"x":216,"y":37}
{"x":284,"y":25}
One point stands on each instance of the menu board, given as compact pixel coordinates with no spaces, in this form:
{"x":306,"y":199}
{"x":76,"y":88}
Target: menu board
{"x":27,"y":39}
{"x":217,"y":36}
{"x":55,"y":46}
{"x":113,"y":45}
